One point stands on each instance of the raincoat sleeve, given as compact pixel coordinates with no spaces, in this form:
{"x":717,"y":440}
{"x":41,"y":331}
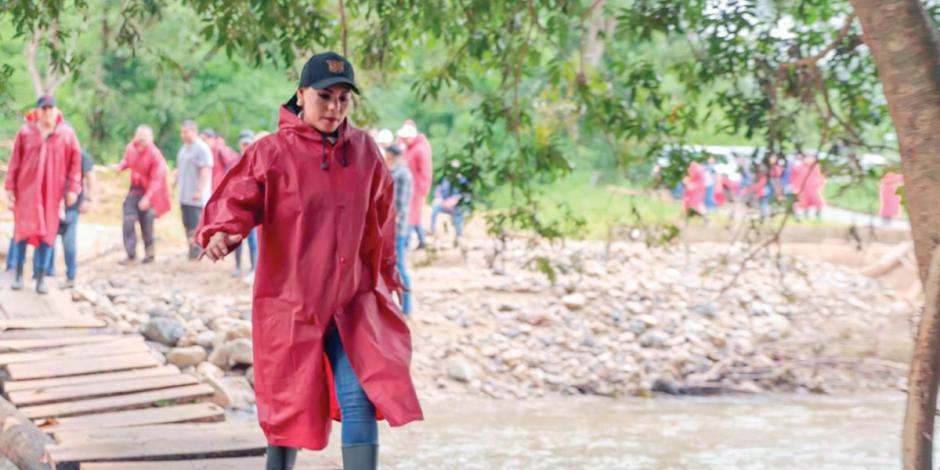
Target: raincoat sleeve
{"x":16,"y":158}
{"x":123,"y":164}
{"x":157,"y":174}
{"x":237,"y":204}
{"x":382,"y":217}
{"x":74,"y":173}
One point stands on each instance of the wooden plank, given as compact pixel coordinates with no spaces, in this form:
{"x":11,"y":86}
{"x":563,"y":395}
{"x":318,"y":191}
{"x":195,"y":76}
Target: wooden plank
{"x":248,"y":441}
{"x":73,"y":392}
{"x":19,"y":385}
{"x":61,"y":368}
{"x":56,"y":333}
{"x":50,"y":322}
{"x":156,"y":431}
{"x":134,"y":400}
{"x":120,"y":346}
{"x":305,"y":461}
{"x":43,"y":343}
{"x":120,"y":419}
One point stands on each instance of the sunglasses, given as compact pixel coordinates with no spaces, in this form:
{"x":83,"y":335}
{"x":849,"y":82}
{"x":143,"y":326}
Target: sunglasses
{"x":46,"y":108}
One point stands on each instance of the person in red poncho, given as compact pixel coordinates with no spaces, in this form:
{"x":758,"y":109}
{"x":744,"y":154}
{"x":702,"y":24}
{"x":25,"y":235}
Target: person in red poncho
{"x":149,"y":195}
{"x":808,"y":182}
{"x":45,"y":168}
{"x":693,"y":195}
{"x":223,"y":157}
{"x":418,"y":159}
{"x":890,"y":201}
{"x":326,"y":325}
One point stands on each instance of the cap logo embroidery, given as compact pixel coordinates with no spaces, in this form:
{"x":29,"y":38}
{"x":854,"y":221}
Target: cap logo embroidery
{"x":336,"y":66}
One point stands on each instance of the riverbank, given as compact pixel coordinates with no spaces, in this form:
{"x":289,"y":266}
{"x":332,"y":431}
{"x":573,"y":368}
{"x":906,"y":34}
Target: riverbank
{"x":619,"y":320}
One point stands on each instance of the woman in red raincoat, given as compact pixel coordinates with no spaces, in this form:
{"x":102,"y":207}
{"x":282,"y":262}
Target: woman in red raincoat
{"x":323,"y":302}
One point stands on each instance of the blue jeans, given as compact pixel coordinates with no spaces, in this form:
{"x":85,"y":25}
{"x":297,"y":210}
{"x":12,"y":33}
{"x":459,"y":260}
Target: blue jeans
{"x":401,"y":246}
{"x":40,"y":257}
{"x":418,"y":229}
{"x":69,"y":231}
{"x":710,"y":197}
{"x":11,"y":254}
{"x":359,"y":423}
{"x":252,"y":241}
{"x":456,"y":215}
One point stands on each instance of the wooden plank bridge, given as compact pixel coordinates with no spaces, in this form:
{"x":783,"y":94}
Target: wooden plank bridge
{"x":105,"y":400}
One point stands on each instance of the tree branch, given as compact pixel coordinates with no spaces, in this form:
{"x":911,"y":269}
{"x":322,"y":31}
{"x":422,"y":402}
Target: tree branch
{"x":345,"y":29}
{"x":813,"y":59}
{"x":30,"y":52}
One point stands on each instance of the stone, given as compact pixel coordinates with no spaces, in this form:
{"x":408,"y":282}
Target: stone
{"x":250,"y":375}
{"x":163,"y":330}
{"x":84,"y":294}
{"x":653,"y":339}
{"x":186,"y":356}
{"x":208,"y":369}
{"x":574,"y":301}
{"x":461,"y":371}
{"x":535,"y":318}
{"x":206,"y":339}
{"x":188,"y":339}
{"x":232,"y":392}
{"x":234,"y":352}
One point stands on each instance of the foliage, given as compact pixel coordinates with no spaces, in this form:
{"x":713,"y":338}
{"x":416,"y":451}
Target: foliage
{"x":520,"y":91}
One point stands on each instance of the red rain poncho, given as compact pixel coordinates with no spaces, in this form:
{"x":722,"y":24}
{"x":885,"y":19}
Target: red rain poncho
{"x":808,"y":183}
{"x":693,"y":197}
{"x":148,"y":170}
{"x":327,"y":256}
{"x":223,"y":158}
{"x":418,"y":157}
{"x":890,"y":201}
{"x":40,"y":173}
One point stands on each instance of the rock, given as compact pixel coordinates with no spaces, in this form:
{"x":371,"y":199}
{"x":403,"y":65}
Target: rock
{"x":186,"y":356}
{"x":250,"y":375}
{"x":163,"y":330}
{"x":707,"y":310}
{"x":159,"y":357}
{"x":574,"y":301}
{"x":234,"y":352}
{"x":653,"y":339}
{"x":80,"y":293}
{"x":206,"y":339}
{"x":188,"y":339}
{"x":232,"y":392}
{"x":208,"y":369}
{"x":461,"y":371}
{"x":535,"y":318}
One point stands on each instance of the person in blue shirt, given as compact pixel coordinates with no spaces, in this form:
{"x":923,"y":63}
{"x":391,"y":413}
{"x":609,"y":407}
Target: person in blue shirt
{"x":450,"y":199}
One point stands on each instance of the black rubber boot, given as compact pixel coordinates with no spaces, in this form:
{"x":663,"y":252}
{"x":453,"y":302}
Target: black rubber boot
{"x":361,"y":457}
{"x":18,"y":279}
{"x":41,"y":284}
{"x":150,"y":255}
{"x":280,"y":458}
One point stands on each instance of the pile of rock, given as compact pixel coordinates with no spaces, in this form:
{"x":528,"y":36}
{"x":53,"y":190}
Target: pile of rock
{"x":619,"y":320}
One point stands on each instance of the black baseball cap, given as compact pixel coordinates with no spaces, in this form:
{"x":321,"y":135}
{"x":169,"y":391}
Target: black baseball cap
{"x":323,"y":71}
{"x":328,"y":69}
{"x":45,"y":100}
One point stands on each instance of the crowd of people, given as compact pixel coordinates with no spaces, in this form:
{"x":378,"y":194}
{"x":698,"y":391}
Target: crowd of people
{"x":51,"y":181}
{"x":765,"y":185}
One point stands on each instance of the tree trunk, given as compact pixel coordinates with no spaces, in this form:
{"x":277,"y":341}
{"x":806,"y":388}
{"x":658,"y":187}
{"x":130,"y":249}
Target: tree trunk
{"x":906,"y":46}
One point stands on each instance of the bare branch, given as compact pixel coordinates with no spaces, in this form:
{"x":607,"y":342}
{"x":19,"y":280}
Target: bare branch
{"x":30,"y":52}
{"x":345,"y":29}
{"x":813,"y":59}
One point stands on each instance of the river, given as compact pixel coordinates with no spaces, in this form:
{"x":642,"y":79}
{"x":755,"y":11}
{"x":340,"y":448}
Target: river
{"x":811,"y":432}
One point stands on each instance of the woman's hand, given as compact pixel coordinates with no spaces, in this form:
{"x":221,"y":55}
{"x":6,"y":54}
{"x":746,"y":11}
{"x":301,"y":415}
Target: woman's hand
{"x":219,"y":243}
